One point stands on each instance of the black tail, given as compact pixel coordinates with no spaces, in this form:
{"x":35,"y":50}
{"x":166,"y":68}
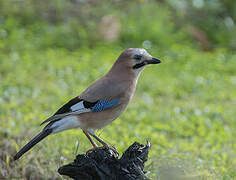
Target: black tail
{"x":34,"y":141}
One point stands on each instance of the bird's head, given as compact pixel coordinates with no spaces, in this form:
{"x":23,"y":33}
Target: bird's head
{"x":136,"y":59}
{"x":131,"y":62}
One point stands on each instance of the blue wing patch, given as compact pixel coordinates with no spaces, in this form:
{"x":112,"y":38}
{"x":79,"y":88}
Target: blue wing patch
{"x":102,"y":105}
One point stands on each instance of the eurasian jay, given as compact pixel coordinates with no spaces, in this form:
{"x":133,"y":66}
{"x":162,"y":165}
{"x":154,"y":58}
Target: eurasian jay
{"x":101,"y":103}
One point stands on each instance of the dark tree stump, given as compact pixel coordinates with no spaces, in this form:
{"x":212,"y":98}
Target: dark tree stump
{"x":101,"y":164}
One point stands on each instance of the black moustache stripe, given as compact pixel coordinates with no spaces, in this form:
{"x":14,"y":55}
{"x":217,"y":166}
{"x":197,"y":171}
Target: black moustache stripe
{"x":136,"y":66}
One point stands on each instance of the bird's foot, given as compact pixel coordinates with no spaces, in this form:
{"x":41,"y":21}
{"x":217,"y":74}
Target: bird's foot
{"x":112,"y":148}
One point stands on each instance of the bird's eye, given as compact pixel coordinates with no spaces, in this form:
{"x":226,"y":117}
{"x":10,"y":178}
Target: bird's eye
{"x":138,"y":57}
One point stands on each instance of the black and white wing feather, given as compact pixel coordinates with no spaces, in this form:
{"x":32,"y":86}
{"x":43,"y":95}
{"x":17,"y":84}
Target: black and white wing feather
{"x":79,"y":106}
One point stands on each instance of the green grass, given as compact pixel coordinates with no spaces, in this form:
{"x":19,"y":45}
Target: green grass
{"x":186,"y":106}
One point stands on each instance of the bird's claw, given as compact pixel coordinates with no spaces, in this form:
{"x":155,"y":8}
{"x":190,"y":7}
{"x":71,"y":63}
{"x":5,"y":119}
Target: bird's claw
{"x":113,"y":149}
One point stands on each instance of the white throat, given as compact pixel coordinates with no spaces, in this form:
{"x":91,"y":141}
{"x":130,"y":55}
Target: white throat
{"x":138,"y":71}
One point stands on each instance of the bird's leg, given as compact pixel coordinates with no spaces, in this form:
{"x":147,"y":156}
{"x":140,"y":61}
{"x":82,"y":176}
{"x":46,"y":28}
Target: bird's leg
{"x":105,"y":144}
{"x":90,"y":139}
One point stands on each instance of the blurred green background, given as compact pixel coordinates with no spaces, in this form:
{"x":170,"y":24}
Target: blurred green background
{"x":50,"y":51}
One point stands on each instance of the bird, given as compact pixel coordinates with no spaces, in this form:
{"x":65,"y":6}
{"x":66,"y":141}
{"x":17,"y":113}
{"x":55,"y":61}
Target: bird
{"x":101,"y":103}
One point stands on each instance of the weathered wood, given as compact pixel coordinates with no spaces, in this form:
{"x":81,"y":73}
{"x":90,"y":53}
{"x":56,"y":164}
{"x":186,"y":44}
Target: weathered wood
{"x":101,"y":164}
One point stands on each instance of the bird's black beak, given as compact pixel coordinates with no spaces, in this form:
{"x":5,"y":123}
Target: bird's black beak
{"x":153,"y":61}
